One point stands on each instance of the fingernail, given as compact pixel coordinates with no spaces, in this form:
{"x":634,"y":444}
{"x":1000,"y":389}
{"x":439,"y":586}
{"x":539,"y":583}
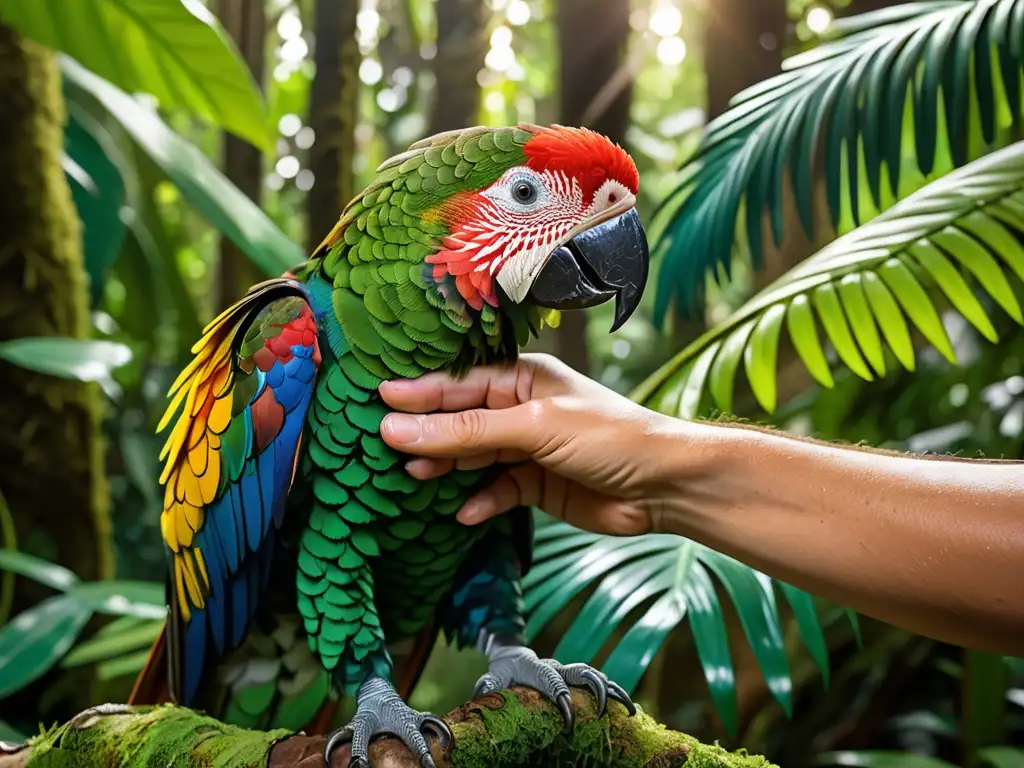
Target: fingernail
{"x":476,"y":510}
{"x":400,"y":428}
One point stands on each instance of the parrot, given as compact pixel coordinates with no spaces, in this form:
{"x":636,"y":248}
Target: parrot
{"x":304,"y":563}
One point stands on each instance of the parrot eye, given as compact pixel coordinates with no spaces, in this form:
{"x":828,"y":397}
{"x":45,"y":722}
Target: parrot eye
{"x":524,"y":192}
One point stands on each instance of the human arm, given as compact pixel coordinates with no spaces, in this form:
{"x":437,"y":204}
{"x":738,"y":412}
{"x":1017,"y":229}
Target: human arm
{"x":933,"y":545}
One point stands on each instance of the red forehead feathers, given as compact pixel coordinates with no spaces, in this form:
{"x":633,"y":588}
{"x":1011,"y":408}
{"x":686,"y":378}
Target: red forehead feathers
{"x":584,"y":155}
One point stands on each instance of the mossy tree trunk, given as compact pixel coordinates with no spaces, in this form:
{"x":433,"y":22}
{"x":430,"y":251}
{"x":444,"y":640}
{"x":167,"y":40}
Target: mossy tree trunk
{"x":510,"y":729}
{"x":333,"y":113}
{"x":51,"y":455}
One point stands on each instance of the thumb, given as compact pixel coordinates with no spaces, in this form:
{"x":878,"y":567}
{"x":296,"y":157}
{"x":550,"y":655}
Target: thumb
{"x":463,"y":433}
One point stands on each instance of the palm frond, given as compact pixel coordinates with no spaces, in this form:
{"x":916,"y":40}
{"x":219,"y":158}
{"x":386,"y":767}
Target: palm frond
{"x":942,"y":77}
{"x":868,"y":290}
{"x":673,"y":577}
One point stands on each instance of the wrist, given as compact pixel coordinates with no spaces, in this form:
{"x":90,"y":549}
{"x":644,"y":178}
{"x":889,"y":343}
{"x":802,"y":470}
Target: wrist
{"x":697,"y":470}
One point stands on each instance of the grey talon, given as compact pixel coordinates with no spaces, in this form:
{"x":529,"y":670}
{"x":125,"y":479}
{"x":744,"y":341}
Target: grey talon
{"x":426,"y":761}
{"x":335,"y":740}
{"x":439,"y":728}
{"x":593,"y":680}
{"x":564,"y":703}
{"x":618,"y":693}
{"x":359,"y":762}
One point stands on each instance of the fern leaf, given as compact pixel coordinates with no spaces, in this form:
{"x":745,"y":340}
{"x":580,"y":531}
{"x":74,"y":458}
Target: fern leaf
{"x":894,"y":99}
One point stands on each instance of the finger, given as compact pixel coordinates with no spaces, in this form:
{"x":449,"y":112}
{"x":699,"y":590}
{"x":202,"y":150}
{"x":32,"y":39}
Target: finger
{"x":520,"y":486}
{"x":427,"y":469}
{"x":489,"y":386}
{"x":463,"y":434}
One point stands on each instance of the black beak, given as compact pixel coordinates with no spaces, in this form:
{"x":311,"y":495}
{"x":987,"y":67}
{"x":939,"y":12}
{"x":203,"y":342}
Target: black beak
{"x":608,"y":260}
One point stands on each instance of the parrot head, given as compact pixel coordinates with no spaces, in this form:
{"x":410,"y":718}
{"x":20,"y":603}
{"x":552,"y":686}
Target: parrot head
{"x":556,"y":226}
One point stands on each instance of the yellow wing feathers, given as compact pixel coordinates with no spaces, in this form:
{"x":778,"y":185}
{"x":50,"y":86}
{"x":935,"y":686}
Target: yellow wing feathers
{"x":191,"y":455}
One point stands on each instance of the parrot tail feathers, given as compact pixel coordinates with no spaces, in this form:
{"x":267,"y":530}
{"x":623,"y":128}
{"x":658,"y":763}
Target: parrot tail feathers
{"x":153,"y":686}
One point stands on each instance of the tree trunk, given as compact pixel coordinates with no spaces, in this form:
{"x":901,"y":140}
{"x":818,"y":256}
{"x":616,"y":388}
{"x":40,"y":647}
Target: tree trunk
{"x":592,"y":38}
{"x":461,"y":45}
{"x":743,"y":42}
{"x":501,"y":730}
{"x":333,"y":113}
{"x":246,"y":22}
{"x":51,"y":454}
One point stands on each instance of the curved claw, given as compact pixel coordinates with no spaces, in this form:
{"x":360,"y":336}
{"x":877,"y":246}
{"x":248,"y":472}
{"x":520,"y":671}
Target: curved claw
{"x":440,"y":729}
{"x":598,"y":686}
{"x":336,"y":739}
{"x":618,"y":693}
{"x":564,"y":703}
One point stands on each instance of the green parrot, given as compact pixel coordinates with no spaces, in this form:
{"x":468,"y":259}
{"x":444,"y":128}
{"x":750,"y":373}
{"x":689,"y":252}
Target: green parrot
{"x":305,"y":562}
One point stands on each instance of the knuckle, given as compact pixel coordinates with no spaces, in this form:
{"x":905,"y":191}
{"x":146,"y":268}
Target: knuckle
{"x":468,"y":427}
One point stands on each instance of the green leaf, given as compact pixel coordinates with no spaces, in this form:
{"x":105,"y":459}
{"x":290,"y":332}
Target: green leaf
{"x":99,"y":194}
{"x":867,"y":102}
{"x":143,"y":599}
{"x":131,"y":664}
{"x":916,"y":303}
{"x":113,"y":645}
{"x":12,"y":735}
{"x":31,"y":567}
{"x":172,"y":49}
{"x":672,"y":573}
{"x":870,"y":278}
{"x":762,"y":354}
{"x":723,"y":372}
{"x":809,"y":626}
{"x":36,"y":639}
{"x":226,"y":207}
{"x":81,"y":359}
{"x":804,"y":333}
{"x":1002,"y":757}
{"x":881,"y":759}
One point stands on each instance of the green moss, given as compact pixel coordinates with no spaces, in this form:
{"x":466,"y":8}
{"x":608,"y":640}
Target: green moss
{"x":528,"y":731}
{"x":513,"y":729}
{"x":164,"y":737}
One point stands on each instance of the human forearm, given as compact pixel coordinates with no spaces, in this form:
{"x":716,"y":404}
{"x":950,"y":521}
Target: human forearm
{"x":932,"y":545}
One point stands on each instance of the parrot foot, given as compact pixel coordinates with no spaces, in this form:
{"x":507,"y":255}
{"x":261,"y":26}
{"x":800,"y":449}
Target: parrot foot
{"x":380,"y":710}
{"x":514,"y":664}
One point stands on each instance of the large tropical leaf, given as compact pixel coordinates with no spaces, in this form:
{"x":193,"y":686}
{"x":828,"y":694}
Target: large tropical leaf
{"x":226,"y":207}
{"x":672,"y":576}
{"x":36,"y":639}
{"x":81,"y":359}
{"x":172,"y":49}
{"x":868,"y":290}
{"x":98,"y":191}
{"x":899,"y":96}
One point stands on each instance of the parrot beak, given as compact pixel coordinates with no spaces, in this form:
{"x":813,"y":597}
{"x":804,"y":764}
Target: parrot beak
{"x":610,"y":259}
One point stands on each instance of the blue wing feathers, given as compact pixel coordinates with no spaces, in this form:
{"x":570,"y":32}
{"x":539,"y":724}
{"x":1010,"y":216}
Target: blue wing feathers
{"x":237,"y":540}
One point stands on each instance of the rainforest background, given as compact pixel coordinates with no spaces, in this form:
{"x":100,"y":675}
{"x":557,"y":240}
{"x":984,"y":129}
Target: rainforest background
{"x":850,"y":171}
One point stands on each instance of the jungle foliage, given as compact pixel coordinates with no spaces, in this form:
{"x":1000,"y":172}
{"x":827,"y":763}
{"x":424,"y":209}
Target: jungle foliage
{"x":881,"y":166}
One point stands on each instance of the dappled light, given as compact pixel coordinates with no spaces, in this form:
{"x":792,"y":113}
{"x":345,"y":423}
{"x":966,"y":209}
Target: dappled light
{"x":231,"y":220}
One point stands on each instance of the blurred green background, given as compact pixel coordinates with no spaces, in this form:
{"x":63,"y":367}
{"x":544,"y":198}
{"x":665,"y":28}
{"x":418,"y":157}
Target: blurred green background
{"x":164,"y":155}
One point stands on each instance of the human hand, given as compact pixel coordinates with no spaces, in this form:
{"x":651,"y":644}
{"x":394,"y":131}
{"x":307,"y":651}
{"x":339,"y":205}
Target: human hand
{"x":578,"y":450}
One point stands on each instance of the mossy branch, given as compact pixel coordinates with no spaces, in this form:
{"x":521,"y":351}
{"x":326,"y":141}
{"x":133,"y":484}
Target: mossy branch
{"x":513,"y":728}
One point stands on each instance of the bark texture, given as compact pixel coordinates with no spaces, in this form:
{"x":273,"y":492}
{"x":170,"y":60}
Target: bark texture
{"x":333,"y":113}
{"x":743,"y":41}
{"x":246,"y":22}
{"x":51,"y":454}
{"x":592,"y":39}
{"x":461,"y":46}
{"x":502,"y":730}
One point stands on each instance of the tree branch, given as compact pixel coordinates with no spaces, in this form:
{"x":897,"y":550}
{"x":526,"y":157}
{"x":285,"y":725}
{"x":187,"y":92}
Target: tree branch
{"x":502,"y":730}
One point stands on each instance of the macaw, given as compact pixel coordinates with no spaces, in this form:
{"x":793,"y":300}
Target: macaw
{"x":305,"y":563}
